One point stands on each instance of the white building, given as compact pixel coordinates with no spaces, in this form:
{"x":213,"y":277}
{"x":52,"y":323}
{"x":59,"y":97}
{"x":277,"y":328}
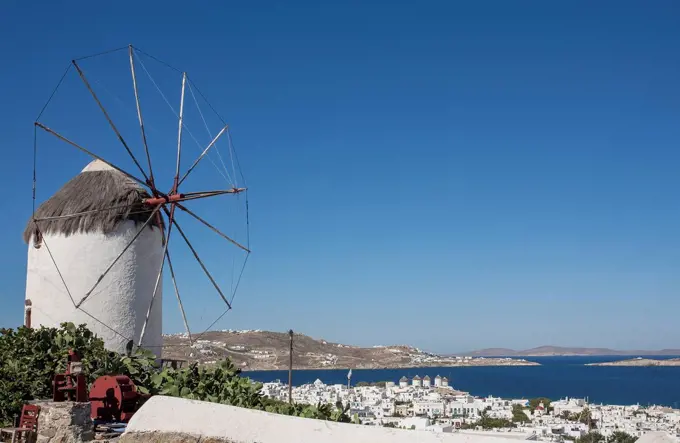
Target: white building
{"x":466,"y":406}
{"x":403,"y":382}
{"x":81,"y":248}
{"x":570,"y":405}
{"x":445,"y":382}
{"x":437,"y":381}
{"x":415,"y":406}
{"x":426,"y":381}
{"x":429,"y":408}
{"x":417,"y":381}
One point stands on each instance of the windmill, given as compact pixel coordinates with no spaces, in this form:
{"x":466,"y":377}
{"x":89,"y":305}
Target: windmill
{"x":99,"y":247}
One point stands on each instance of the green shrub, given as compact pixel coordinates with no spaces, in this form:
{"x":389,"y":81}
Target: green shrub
{"x":518,"y":415}
{"x":31,"y":357}
{"x":487,"y":422}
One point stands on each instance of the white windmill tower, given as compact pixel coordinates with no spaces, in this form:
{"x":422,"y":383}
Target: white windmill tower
{"x":99,"y":246}
{"x":85,"y":246}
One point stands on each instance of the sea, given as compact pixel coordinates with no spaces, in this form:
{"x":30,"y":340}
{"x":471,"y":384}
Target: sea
{"x":556,"y":378}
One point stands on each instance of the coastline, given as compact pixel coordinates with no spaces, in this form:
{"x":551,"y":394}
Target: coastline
{"x":639,"y":362}
{"x":259,"y":350}
{"x":623,"y":357}
{"x":269,"y":351}
{"x":555,"y":378}
{"x":487,"y":362}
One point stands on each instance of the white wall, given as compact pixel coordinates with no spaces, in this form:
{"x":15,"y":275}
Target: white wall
{"x":121,"y":299}
{"x":169,"y":415}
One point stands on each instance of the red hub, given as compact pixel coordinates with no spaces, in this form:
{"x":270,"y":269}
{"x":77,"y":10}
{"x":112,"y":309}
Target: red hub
{"x":163,"y":200}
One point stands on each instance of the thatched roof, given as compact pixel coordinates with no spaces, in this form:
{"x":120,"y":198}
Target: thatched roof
{"x":97,"y":188}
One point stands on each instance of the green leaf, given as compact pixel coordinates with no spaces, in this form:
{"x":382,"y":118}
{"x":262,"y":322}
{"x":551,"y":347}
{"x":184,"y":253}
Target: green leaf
{"x":31,"y":357}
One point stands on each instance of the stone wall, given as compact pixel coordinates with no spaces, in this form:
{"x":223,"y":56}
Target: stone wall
{"x":175,"y":420}
{"x":64,"y":422}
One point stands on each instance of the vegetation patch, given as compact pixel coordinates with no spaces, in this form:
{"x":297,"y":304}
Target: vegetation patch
{"x":31,"y":357}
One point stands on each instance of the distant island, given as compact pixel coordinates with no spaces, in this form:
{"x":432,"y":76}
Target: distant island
{"x":640,"y":362}
{"x":550,"y":351}
{"x":265,"y":350}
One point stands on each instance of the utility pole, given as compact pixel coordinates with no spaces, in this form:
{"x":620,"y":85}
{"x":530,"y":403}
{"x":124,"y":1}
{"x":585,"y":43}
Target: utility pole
{"x":290,"y":369}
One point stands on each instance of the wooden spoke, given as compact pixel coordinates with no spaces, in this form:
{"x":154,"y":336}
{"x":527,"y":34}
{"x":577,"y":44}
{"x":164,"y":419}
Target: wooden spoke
{"x":106,"y":114}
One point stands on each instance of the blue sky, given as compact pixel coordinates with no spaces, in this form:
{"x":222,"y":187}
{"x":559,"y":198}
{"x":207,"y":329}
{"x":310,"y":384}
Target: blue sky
{"x":451,"y":175}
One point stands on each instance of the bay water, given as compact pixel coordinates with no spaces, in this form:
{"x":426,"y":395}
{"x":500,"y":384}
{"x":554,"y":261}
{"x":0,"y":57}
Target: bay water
{"x":556,"y":378}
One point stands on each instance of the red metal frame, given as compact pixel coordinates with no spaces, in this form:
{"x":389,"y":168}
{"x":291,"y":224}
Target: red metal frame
{"x":114,"y":397}
{"x":71,"y":385}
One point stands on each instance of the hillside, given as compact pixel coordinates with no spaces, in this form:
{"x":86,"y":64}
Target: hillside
{"x":264,"y":350}
{"x":547,"y":351}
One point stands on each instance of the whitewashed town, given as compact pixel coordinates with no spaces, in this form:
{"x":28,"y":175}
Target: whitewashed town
{"x":434,"y":405}
{"x":481,"y":193}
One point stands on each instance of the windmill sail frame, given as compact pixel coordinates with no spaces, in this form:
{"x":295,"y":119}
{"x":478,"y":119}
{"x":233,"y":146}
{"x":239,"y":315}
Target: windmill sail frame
{"x":154,"y":204}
